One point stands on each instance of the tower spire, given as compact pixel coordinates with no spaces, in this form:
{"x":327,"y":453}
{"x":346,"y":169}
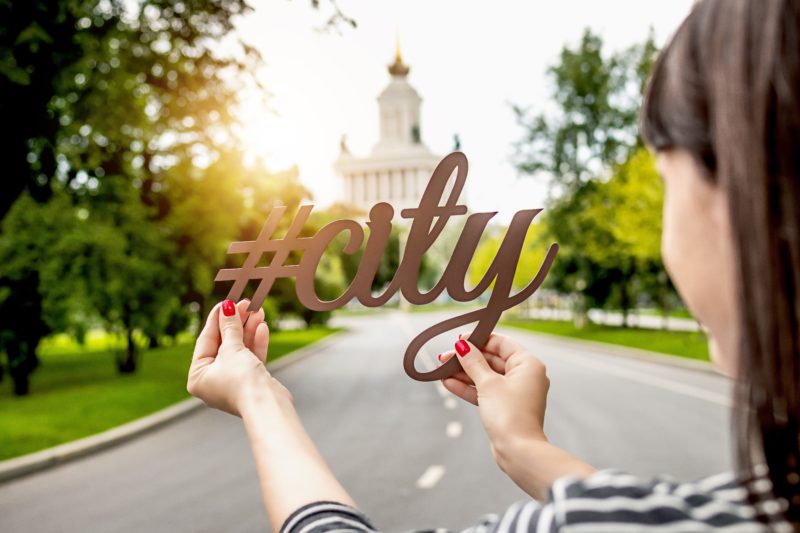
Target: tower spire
{"x":398,"y":68}
{"x":397,"y":55}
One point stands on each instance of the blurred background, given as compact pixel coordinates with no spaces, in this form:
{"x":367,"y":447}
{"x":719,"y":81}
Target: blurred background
{"x":141,"y":137}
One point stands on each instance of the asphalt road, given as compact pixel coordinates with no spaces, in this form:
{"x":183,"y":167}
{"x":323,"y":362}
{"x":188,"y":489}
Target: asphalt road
{"x":409,"y":454}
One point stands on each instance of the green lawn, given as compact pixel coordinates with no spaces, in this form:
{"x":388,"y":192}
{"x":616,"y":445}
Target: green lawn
{"x":77,"y":392}
{"x":692,"y":345}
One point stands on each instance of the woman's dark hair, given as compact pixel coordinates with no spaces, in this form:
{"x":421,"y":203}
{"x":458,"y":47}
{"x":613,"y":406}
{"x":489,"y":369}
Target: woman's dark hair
{"x":727,"y":89}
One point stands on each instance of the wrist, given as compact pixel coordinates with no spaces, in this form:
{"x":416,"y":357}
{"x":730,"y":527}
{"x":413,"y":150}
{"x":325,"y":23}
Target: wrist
{"x":255,"y":396}
{"x":534,"y":464}
{"x":256,"y":401}
{"x":514,"y":447}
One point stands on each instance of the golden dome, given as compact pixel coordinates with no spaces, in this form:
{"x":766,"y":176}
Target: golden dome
{"x":398,"y":68}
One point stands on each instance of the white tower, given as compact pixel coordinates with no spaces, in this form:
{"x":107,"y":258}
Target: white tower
{"x":399,"y":166}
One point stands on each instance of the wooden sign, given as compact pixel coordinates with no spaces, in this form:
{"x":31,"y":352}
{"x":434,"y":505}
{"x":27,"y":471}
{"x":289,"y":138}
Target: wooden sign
{"x":428,"y":221}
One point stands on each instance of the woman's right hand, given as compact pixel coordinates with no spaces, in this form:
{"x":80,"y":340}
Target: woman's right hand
{"x":508,"y":384}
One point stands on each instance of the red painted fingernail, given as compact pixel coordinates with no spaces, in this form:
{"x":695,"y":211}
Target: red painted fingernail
{"x":439,"y":357}
{"x":228,"y":308}
{"x":462,"y":348}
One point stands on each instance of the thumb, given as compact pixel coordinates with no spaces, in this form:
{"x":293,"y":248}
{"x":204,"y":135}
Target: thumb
{"x":230,"y":325}
{"x":473,"y":362}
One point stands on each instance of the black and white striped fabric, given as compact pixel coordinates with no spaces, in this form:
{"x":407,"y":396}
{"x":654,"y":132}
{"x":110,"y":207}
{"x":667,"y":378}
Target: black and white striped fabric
{"x":608,"y":501}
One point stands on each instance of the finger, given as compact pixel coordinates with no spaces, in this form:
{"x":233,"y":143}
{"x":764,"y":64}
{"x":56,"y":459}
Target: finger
{"x":208,"y":339}
{"x":525,"y":358}
{"x":490,"y":350}
{"x":462,"y":390}
{"x":502,"y":345}
{"x":459,"y":374}
{"x":230,"y":325}
{"x":496,"y":362}
{"x":444,"y":356}
{"x":250,"y":326}
{"x":473,"y":362}
{"x":463,"y":377}
{"x":261,"y":341}
{"x":241,"y":307}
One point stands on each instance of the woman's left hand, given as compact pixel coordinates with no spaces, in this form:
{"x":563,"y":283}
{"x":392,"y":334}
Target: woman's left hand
{"x":227,"y":369}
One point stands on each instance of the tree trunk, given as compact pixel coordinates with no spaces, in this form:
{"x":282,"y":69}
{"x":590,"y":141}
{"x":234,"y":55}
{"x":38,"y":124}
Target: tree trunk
{"x":20,"y":366}
{"x":624,"y":300}
{"x":127,"y":365}
{"x":21,"y":384}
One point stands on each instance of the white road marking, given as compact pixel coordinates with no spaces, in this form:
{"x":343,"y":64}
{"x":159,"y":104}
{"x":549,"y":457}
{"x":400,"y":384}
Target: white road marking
{"x":450,"y":403}
{"x":430,"y":477}
{"x":454,"y":429}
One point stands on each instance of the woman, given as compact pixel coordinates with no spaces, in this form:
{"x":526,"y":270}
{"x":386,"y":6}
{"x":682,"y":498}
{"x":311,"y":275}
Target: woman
{"x":721,"y":114}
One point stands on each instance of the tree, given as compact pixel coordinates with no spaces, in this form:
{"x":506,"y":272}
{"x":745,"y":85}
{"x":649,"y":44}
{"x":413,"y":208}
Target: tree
{"x":116,"y":115}
{"x":29,"y":232}
{"x":621,"y":225}
{"x":636,"y":195}
{"x":594,"y":125}
{"x":534,"y":249}
{"x":592,"y":131}
{"x":99,"y":100}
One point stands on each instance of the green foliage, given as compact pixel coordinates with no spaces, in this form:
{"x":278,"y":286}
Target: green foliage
{"x":605,"y":204}
{"x":534,"y":248}
{"x":125,"y":180}
{"x":597,"y":99}
{"x":628,"y":209}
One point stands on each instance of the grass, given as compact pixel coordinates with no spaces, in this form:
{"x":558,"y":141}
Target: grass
{"x":77,"y":391}
{"x":692,"y":345}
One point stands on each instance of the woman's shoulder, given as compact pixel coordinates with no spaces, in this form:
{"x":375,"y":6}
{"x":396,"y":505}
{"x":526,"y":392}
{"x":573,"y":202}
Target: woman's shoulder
{"x":615,"y":500}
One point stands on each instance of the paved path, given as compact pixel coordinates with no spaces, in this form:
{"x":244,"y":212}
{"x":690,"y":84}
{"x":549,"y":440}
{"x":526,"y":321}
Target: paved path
{"x":409,"y":454}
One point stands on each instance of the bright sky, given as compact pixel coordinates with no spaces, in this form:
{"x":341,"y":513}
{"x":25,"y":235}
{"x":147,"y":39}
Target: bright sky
{"x":469,"y":60}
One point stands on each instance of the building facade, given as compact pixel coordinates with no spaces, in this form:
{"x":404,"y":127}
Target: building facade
{"x":400,"y":165}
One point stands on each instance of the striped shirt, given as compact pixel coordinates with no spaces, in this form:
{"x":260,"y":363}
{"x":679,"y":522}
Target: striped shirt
{"x":607,"y":501}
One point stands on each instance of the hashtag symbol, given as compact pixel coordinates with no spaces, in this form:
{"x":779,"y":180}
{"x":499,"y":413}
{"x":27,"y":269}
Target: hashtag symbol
{"x":255,"y":249}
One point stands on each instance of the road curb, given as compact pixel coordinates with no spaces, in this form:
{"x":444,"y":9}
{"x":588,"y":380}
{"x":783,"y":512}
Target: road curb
{"x":49,"y":457}
{"x":63,"y":453}
{"x":625,"y":351}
